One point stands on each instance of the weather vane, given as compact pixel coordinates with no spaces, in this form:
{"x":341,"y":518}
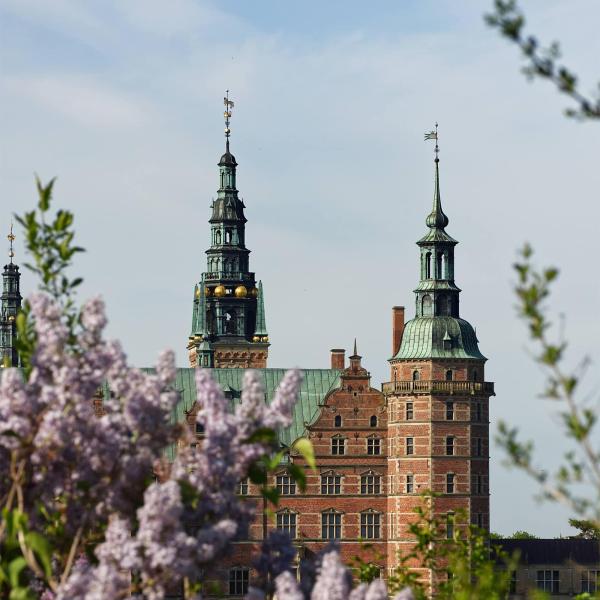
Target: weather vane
{"x":433,"y":135}
{"x":11,"y":239}
{"x":227,"y":114}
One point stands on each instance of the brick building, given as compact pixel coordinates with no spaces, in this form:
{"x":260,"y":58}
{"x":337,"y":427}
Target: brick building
{"x":376,"y":449}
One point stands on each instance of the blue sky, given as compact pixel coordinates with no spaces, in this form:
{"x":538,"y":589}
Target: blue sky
{"x":122,"y":101}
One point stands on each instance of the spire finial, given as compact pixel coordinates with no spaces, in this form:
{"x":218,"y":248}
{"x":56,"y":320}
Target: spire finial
{"x":436,"y":218}
{"x":11,"y":239}
{"x":227,"y":114}
{"x":355,"y":352}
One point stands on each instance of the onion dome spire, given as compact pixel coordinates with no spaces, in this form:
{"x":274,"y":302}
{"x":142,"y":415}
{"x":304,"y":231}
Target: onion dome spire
{"x":436,"y":219}
{"x":11,"y":239}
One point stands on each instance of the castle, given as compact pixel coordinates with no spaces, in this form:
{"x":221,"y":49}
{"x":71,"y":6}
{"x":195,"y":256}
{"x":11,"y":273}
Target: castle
{"x":376,"y":449}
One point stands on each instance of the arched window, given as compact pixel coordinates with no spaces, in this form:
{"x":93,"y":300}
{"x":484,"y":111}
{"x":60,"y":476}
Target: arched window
{"x":416,"y":376}
{"x":449,"y":375}
{"x":228,"y":236}
{"x":474,"y":375}
{"x":442,"y":305}
{"x":337,"y":421}
{"x":438,"y":266}
{"x":373,"y":421}
{"x":218,"y":237}
{"x":444,"y":266}
{"x":426,"y":306}
{"x":428,"y":265}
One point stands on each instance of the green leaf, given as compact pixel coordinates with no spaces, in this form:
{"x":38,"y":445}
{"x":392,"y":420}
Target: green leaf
{"x":41,"y":546}
{"x":298,"y":474}
{"x":271,"y":494}
{"x":14,"y":570}
{"x":305,"y":448}
{"x":45,"y":193}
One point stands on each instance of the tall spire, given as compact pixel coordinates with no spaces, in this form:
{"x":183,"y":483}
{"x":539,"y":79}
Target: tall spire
{"x":436,"y":218}
{"x":10,"y":307}
{"x":228,"y":319}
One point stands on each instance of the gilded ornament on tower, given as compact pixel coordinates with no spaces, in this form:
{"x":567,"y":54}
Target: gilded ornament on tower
{"x":241,"y":291}
{"x":256,"y":338}
{"x":219,"y":291}
{"x":254,"y":292}
{"x":207,"y":291}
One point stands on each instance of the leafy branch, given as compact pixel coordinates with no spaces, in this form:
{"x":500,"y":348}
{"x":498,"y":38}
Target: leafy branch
{"x":542,"y":62}
{"x":580,"y":466}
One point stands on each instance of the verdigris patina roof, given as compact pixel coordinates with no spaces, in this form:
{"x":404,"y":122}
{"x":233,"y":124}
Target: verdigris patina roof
{"x":438,"y":337}
{"x":316,"y":384}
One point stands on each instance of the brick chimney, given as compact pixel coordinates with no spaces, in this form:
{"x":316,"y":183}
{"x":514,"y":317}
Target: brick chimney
{"x":397,"y":328}
{"x":338,"y":358}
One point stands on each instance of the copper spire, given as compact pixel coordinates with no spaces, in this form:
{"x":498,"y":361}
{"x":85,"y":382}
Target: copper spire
{"x":436,"y":219}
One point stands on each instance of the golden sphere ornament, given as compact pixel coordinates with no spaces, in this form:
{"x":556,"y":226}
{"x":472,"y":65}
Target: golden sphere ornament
{"x":219,"y":291}
{"x":241,"y":291}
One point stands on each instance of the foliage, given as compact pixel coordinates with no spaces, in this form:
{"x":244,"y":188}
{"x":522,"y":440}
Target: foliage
{"x":463,"y":564}
{"x":579,"y":472}
{"x":588,"y":530}
{"x":522,"y":535}
{"x":542,"y":62}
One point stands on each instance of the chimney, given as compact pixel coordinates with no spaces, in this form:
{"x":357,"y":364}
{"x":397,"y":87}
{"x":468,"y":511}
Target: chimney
{"x":397,"y":328}
{"x":338,"y":358}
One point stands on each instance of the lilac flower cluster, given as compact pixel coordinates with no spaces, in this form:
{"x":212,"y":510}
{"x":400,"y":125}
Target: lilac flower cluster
{"x":89,"y":468}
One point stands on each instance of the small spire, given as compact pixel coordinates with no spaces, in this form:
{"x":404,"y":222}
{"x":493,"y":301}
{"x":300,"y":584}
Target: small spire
{"x":11,"y":239}
{"x":227,"y":114}
{"x":260,"y":329}
{"x":355,"y":352}
{"x":436,"y":219}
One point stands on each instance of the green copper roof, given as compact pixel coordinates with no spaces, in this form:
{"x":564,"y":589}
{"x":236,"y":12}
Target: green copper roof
{"x":317,"y":383}
{"x":427,"y":337}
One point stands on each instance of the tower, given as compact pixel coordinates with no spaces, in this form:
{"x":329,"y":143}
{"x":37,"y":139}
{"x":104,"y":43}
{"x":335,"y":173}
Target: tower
{"x":228,"y":320}
{"x":11,"y":305}
{"x":438,"y":426}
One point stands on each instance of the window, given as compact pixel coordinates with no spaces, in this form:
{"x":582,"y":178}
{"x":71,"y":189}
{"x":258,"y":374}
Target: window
{"x":590,"y":581}
{"x":331,"y":484}
{"x":548,"y":580}
{"x":449,"y":375}
{"x":243,"y":487}
{"x":370,"y":526}
{"x":428,"y":265}
{"x":474,"y":375}
{"x":450,"y":446}
{"x":331,"y":525}
{"x":477,"y":487}
{"x":450,"y":480}
{"x":337,"y":421}
{"x":410,"y":483}
{"x":238,"y":581}
{"x":338,"y":445}
{"x":478,"y":412}
{"x":373,"y":446}
{"x":449,"y":411}
{"x":286,"y":486}
{"x":199,"y":428}
{"x":450,"y":526}
{"x":410,"y":413}
{"x":410,"y":445}
{"x":416,"y":376}
{"x":478,"y":520}
{"x":478,"y":447}
{"x":370,"y":483}
{"x":286,"y":521}
{"x":373,"y":421}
